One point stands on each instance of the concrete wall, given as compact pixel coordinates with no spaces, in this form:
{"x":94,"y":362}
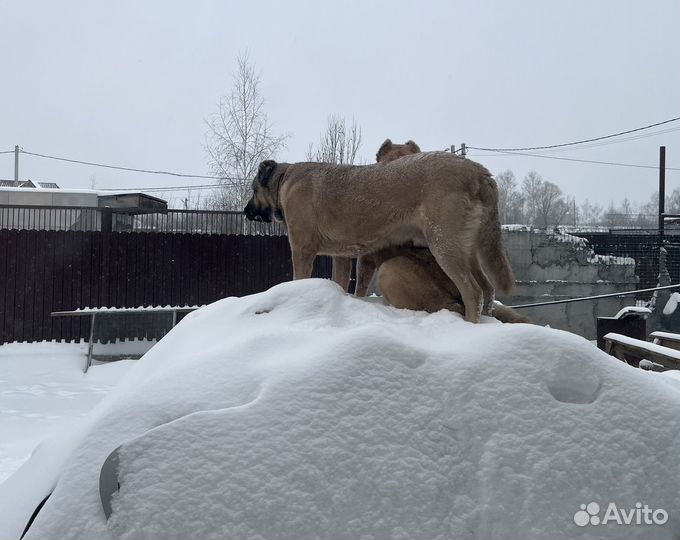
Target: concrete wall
{"x":551,"y":266}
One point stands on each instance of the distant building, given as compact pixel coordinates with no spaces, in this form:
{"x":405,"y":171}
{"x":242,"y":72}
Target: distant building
{"x":48,"y":207}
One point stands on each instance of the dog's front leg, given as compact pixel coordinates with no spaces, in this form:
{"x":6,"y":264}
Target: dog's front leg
{"x":303,"y":261}
{"x":303,"y":249}
{"x":365,"y":271}
{"x":342,"y":269}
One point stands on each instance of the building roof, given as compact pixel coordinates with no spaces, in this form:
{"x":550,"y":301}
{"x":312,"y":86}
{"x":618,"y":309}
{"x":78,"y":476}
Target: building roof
{"x":48,"y":185}
{"x":19,"y":184}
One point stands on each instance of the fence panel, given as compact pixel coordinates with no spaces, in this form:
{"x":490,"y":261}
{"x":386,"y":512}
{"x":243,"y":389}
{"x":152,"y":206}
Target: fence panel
{"x":643,"y":246}
{"x":45,"y":271}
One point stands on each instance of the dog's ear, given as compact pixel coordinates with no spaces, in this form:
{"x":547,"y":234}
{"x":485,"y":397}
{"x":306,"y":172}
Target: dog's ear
{"x":265,"y":171}
{"x":413,"y":146}
{"x":384,"y":148}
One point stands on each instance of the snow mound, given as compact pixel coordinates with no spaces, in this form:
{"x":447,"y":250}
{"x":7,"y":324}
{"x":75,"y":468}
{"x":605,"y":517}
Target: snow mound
{"x":302,"y":412}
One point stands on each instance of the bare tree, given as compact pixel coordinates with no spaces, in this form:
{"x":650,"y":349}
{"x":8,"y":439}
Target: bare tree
{"x":338,"y":144}
{"x":531,"y":186}
{"x":239,"y":137}
{"x":510,"y":199}
{"x":552,"y":208}
{"x":590,"y":214}
{"x":545,"y":203}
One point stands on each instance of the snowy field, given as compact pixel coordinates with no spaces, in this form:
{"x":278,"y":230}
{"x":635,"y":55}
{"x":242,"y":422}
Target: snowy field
{"x":302,"y":412}
{"x":44,"y":391}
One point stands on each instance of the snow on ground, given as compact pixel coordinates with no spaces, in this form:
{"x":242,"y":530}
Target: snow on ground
{"x":43,"y":391}
{"x":302,"y":412}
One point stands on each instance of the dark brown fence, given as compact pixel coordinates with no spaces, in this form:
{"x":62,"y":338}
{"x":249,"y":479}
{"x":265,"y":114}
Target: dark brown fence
{"x":43,"y":271}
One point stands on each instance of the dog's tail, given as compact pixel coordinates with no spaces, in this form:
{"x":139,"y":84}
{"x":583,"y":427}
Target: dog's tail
{"x":508,"y":315}
{"x":493,"y":254}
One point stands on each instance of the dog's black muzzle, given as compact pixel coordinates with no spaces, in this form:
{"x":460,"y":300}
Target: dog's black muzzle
{"x":257,"y":214}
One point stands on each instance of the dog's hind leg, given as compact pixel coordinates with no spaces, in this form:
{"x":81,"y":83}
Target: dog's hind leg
{"x":342,"y":269}
{"x":452,"y":241}
{"x":488,"y":292}
{"x":451,"y":257}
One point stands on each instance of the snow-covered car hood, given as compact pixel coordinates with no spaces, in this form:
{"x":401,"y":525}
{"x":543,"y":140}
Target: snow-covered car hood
{"x":302,"y":412}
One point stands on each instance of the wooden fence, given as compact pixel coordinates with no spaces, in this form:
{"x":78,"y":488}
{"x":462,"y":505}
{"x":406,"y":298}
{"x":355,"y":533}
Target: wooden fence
{"x":43,"y":271}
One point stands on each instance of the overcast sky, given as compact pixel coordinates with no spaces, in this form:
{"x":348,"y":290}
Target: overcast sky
{"x":131,"y":83}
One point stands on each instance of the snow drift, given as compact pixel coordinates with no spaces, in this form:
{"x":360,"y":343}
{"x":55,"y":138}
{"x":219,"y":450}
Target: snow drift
{"x":302,"y":412}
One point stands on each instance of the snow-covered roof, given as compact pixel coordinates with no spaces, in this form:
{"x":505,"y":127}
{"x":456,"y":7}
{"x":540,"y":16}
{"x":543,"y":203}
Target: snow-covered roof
{"x":24,"y":191}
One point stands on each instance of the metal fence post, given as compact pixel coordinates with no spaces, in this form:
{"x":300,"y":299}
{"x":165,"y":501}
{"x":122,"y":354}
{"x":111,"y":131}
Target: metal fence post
{"x":107,"y":219}
{"x":90,"y":345}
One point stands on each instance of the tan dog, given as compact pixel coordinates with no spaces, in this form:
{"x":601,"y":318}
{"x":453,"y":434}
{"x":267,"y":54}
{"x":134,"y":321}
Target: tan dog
{"x":487,"y":244}
{"x":433,"y":198}
{"x":410,"y":278}
{"x":342,"y":267}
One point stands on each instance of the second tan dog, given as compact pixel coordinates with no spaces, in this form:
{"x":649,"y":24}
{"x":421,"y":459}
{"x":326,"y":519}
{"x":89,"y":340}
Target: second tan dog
{"x":410,"y":278}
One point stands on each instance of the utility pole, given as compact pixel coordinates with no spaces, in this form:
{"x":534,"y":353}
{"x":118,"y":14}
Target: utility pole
{"x":662,"y":187}
{"x":16,"y":165}
{"x":463,"y":149}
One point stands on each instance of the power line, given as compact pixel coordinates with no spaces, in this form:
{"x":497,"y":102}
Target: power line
{"x":508,"y":153}
{"x":131,"y":169}
{"x":617,"y":141}
{"x":171,"y":188}
{"x":235,"y":181}
{"x":575,"y":142}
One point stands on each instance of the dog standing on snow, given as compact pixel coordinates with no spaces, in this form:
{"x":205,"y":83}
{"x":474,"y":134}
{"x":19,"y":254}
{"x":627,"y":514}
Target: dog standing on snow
{"x":436,"y":199}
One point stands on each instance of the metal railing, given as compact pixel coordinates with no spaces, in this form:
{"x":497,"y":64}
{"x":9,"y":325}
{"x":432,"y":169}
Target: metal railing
{"x":134,"y":220}
{"x":193,"y":222}
{"x":50,"y":218}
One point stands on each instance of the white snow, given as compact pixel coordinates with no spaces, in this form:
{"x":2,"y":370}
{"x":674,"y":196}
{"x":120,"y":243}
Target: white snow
{"x":670,"y":336}
{"x":43,"y":390}
{"x":672,"y":304}
{"x":514,"y":227}
{"x":562,"y":236}
{"x":302,"y":412}
{"x":633,"y":310}
{"x":144,"y":309}
{"x":651,"y":347}
{"x":611,"y":260}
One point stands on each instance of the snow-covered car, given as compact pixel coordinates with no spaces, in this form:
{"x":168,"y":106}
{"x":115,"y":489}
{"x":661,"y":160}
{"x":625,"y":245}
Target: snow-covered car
{"x":303,"y":412}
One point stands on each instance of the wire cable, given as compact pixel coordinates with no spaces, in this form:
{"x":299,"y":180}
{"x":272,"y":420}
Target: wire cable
{"x":131,"y":169}
{"x":170,"y":188}
{"x":508,"y":153}
{"x":546,"y":147}
{"x":235,"y":181}
{"x":610,"y":142}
